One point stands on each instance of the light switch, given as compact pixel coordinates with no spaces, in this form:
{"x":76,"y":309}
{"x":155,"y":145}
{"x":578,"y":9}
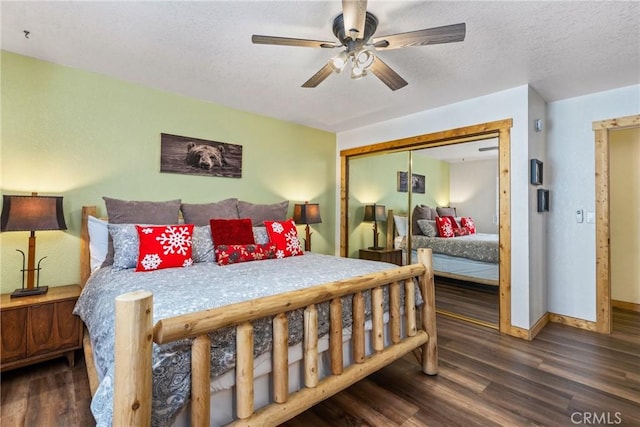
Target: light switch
{"x":591,"y":217}
{"x":579,"y":216}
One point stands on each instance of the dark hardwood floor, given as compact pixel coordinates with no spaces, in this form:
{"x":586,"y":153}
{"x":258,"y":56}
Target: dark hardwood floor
{"x":564,"y":377}
{"x":470,"y":300}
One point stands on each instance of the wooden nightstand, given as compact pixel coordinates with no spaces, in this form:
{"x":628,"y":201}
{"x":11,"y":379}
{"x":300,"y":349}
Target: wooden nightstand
{"x":387,"y":255}
{"x":39,"y":327}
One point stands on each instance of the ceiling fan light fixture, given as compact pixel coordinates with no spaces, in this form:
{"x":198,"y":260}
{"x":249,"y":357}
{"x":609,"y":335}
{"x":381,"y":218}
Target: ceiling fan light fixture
{"x":363,"y":59}
{"x":338,"y":62}
{"x":357,"y":73}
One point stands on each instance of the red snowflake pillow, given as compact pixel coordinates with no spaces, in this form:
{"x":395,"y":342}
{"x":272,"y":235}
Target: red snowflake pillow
{"x":467,"y":222}
{"x":231,"y":254}
{"x":445,"y":227}
{"x":164,"y":246}
{"x":284,"y":235}
{"x":461,"y":231}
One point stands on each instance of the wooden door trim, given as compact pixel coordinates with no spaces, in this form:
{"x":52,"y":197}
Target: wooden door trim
{"x":603,"y":253}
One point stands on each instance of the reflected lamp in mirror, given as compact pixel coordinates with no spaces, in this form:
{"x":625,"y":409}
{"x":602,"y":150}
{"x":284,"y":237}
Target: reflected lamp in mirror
{"x":375,"y":213}
{"x":307,"y":213}
{"x":31,"y":213}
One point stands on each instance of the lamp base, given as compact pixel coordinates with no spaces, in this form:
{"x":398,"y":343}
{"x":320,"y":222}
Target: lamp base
{"x":376,"y":248}
{"x":27,"y":292}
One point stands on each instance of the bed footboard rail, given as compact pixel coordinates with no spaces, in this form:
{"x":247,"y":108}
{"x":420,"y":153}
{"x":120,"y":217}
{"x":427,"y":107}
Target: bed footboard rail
{"x":135,"y":334}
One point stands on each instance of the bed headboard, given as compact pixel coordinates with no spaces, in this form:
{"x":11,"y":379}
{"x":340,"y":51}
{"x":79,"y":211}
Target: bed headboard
{"x":85,"y":256}
{"x":391,"y":228}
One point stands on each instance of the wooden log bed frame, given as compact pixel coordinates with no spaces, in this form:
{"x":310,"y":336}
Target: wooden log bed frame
{"x":135,"y":334}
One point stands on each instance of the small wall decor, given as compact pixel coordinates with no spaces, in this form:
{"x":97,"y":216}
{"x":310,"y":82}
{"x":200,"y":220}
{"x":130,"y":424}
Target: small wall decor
{"x":543,"y":200}
{"x":417,"y":183}
{"x":194,"y":156}
{"x":536,"y":172}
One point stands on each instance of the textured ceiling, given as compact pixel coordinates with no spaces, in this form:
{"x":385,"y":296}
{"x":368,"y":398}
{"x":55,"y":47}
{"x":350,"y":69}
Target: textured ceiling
{"x":203,"y":50}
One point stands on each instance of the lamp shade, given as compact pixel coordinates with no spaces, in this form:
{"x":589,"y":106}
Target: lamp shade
{"x":32,"y":213}
{"x":308,"y":213}
{"x":375,"y":213}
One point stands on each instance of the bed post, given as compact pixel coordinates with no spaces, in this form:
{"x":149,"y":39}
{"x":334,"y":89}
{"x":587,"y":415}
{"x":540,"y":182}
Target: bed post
{"x":133,"y":367}
{"x":430,"y":349}
{"x":85,"y":257}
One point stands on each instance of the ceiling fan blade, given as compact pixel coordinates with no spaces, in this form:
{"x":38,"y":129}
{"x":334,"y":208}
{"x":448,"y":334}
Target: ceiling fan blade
{"x":437,"y":35}
{"x":319,"y":77}
{"x":286,"y":41}
{"x":354,"y":13}
{"x":387,"y":75}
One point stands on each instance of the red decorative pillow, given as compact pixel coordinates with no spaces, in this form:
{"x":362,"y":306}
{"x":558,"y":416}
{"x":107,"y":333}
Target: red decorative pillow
{"x":468,"y":223}
{"x":231,"y":231}
{"x":285,"y":236}
{"x":231,"y":254}
{"x":454,"y":223}
{"x":164,"y":246}
{"x":445,"y":227}
{"x":461,"y":231}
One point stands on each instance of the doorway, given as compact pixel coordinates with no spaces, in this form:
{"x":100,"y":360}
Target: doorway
{"x":602,"y":130}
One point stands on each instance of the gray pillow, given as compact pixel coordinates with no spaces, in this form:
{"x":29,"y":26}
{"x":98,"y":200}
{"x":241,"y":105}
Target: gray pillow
{"x":260,"y":235}
{"x":428,"y":227}
{"x":260,"y":213}
{"x":419,"y":212}
{"x":126,"y":245}
{"x":446,"y":211}
{"x":139,"y":212}
{"x":200,"y":214}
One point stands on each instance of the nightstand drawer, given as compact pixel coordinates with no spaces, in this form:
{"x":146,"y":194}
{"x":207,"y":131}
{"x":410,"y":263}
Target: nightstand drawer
{"x":393,"y":256}
{"x":39,"y":327}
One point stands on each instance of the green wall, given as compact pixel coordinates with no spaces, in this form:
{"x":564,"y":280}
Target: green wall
{"x":82,"y":135}
{"x":373,"y":179}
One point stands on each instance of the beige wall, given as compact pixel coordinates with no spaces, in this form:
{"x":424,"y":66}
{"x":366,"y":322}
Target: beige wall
{"x":474,"y":192}
{"x":624,"y":155}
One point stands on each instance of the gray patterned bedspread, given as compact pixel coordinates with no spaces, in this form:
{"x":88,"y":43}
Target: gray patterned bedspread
{"x":479,"y":247}
{"x":199,"y":287}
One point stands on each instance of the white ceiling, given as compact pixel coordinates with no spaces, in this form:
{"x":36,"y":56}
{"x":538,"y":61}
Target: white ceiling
{"x":203,"y":50}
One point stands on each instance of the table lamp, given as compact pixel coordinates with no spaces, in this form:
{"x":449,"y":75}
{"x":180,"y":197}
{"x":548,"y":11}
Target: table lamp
{"x":307,"y":213}
{"x":31,"y":213}
{"x":375,"y":213}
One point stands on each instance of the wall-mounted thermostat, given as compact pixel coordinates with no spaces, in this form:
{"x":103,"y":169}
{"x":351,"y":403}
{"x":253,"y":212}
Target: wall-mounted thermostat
{"x":579,"y":216}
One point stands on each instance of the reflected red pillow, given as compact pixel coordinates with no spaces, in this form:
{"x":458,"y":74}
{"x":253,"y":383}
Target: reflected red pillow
{"x":445,"y":226}
{"x":467,"y":222}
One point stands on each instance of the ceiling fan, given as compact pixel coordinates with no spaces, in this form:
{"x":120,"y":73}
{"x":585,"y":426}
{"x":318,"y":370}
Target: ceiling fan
{"x":354,"y":29}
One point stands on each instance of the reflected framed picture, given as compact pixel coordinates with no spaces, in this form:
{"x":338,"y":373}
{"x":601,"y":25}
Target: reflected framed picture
{"x":418,"y":184}
{"x":536,"y":172}
{"x":543,"y":200}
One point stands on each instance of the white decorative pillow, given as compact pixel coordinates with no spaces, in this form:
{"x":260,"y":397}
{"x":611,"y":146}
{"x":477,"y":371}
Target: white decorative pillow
{"x":98,"y":241}
{"x":402,"y":226}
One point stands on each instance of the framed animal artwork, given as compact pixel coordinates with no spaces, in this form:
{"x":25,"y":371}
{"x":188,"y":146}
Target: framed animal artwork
{"x":195,"y":156}
{"x":417,"y":183}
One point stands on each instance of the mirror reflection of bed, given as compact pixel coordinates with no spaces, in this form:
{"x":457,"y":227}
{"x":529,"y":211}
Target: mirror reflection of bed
{"x":463,"y":178}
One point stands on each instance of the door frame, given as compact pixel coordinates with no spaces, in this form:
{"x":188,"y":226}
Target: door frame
{"x":601,"y":130}
{"x":500,"y":129}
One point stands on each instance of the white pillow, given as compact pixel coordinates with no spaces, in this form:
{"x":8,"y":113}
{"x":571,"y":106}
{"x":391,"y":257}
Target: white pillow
{"x":98,"y":241}
{"x":402,"y":226}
